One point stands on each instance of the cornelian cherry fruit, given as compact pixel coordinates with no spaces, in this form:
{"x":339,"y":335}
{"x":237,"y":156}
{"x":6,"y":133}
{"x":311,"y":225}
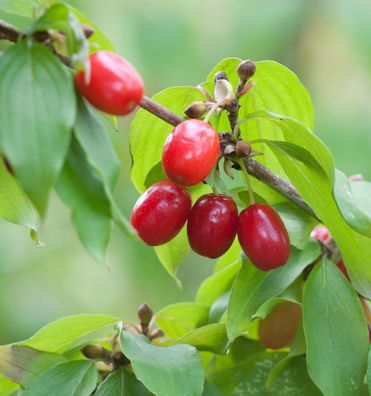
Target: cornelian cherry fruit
{"x":263,"y":237}
{"x":114,"y":87}
{"x":160,"y":212}
{"x":278,"y":329}
{"x":212,"y":225}
{"x":340,"y":264}
{"x":190,"y":152}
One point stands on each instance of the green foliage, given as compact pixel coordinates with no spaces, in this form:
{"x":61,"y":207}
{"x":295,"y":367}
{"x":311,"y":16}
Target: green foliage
{"x":36,"y":141}
{"x":21,"y":7}
{"x":165,"y":371}
{"x":7,"y":387}
{"x":121,"y":383}
{"x":329,"y":305}
{"x":76,"y":378}
{"x":254,"y":287}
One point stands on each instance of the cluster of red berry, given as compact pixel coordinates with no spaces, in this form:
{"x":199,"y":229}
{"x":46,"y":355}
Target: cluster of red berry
{"x":190,"y":152}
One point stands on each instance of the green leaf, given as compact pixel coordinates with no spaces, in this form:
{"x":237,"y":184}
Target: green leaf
{"x":335,"y":331}
{"x":83,"y":192}
{"x":91,"y":131}
{"x":219,"y":307}
{"x":7,"y":387}
{"x":249,"y":378}
{"x":59,"y":17}
{"x":121,"y":383}
{"x":36,"y":141}
{"x":217,"y":284}
{"x":21,"y":7}
{"x":233,"y":254}
{"x":177,"y":319}
{"x":14,"y":204}
{"x":210,"y":390}
{"x":77,"y":378}
{"x":148,"y":132}
{"x":21,"y":364}
{"x":155,"y":175}
{"x":98,"y":41}
{"x":165,"y":371}
{"x":212,"y":338}
{"x":71,"y":331}
{"x":299,"y":223}
{"x":369,"y":372}
{"x":254,"y":287}
{"x":171,"y":254}
{"x":353,"y":201}
{"x":317,"y":192}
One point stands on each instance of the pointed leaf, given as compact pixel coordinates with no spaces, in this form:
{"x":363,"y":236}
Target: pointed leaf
{"x":335,"y":331}
{"x":165,"y":371}
{"x":254,"y":287}
{"x":77,"y":378}
{"x":7,"y":387}
{"x":36,"y":140}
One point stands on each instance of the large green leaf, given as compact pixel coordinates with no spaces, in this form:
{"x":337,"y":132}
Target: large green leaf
{"x":21,"y":7}
{"x":77,"y":378}
{"x":14,"y":204}
{"x":177,"y":319}
{"x":335,"y":332}
{"x":148,"y":132}
{"x":83,"y":192}
{"x":249,"y":378}
{"x":92,"y":132}
{"x":7,"y":387}
{"x":354,"y":202}
{"x":165,"y":371}
{"x":22,"y":364}
{"x":36,"y":140}
{"x":317,"y":190}
{"x":215,"y":285}
{"x":121,"y":383}
{"x":212,"y":338}
{"x":254,"y":287}
{"x":71,"y":331}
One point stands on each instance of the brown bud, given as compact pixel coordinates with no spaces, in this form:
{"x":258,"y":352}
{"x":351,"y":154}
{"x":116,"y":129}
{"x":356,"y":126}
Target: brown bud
{"x":227,"y":166}
{"x":246,"y":69}
{"x":92,"y":352}
{"x":145,"y":314}
{"x":220,"y":75}
{"x":243,"y":149}
{"x":88,"y":30}
{"x":196,"y":109}
{"x":119,"y":359}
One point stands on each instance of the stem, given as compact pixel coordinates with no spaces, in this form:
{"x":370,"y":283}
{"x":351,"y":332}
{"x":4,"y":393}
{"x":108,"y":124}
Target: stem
{"x":253,"y":167}
{"x":247,"y":179}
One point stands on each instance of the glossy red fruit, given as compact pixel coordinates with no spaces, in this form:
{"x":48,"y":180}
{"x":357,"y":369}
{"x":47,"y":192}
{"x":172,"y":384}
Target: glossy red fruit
{"x":190,"y":152}
{"x":263,"y":237}
{"x":114,"y":87}
{"x":160,"y":213}
{"x":212,"y":225}
{"x":278,"y":329}
{"x":340,"y":264}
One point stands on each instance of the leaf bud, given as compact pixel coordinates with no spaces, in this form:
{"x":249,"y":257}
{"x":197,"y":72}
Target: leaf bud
{"x":243,"y":149}
{"x":145,"y":314}
{"x":246,"y":69}
{"x":196,"y":109}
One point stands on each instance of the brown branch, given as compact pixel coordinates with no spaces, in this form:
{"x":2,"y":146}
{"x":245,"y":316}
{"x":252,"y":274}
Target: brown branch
{"x":11,"y":33}
{"x":254,"y":168}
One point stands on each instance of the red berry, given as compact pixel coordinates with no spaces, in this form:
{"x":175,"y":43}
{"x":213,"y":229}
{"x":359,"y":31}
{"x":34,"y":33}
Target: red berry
{"x":340,"y":264}
{"x":278,"y":329}
{"x":115,"y":86}
{"x":321,"y":233}
{"x":263,"y":237}
{"x":160,"y":213}
{"x":190,"y":152}
{"x":212,"y":225}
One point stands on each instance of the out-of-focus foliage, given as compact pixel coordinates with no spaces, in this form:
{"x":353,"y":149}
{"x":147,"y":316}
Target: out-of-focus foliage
{"x":326,"y":43}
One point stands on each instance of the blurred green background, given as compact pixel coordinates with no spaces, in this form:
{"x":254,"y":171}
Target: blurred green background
{"x":327,"y":43}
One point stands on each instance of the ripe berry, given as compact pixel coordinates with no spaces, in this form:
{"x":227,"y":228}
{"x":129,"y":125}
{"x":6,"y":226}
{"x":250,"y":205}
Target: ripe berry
{"x":190,"y":152}
{"x":114,"y":87}
{"x":160,"y":213}
{"x":212,"y":225}
{"x":340,"y":264}
{"x":263,"y":237}
{"x":278,"y":329}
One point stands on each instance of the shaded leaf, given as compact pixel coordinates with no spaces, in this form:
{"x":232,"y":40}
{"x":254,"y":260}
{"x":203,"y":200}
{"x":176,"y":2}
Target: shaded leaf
{"x":335,"y":331}
{"x":254,"y":287}
{"x":36,"y":141}
{"x":165,"y":371}
{"x":7,"y":387}
{"x":121,"y":383}
{"x":21,"y":7}
{"x":77,"y":378}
